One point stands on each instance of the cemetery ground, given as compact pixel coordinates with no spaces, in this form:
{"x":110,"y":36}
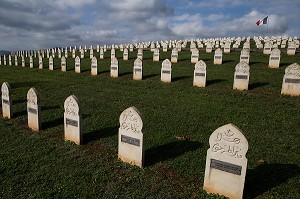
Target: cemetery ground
{"x":178,"y":120}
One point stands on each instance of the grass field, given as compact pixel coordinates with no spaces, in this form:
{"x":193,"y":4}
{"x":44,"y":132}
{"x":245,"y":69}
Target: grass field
{"x":42,"y":165}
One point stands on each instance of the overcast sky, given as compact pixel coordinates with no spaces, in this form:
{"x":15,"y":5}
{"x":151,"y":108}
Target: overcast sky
{"x":36,"y":24}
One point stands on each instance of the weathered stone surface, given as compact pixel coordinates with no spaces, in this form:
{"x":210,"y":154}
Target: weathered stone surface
{"x":166,"y":71}
{"x":274,"y":60}
{"x":94,"y":66}
{"x":291,"y":80}
{"x":138,"y":69}
{"x":33,"y":110}
{"x":218,"y":56}
{"x":6,"y":101}
{"x":114,"y":67}
{"x":241,"y":76}
{"x":200,"y":74}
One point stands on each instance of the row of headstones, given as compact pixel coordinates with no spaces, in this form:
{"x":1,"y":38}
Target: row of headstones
{"x":226,"y":163}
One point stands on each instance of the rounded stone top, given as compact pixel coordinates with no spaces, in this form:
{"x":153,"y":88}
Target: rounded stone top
{"x":131,"y":120}
{"x":293,"y":70}
{"x":166,"y":63}
{"x":138,"y":62}
{"x":276,"y":52}
{"x":218,"y":51}
{"x":71,"y":105}
{"x":200,"y":65}
{"x":242,"y":67}
{"x":33,"y":96}
{"x":5,"y":89}
{"x":114,"y":61}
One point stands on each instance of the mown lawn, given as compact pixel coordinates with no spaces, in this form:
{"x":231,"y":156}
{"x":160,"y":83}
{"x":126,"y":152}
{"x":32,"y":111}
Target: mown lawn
{"x":42,"y":165}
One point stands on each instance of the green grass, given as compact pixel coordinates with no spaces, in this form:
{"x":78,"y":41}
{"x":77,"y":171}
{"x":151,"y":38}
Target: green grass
{"x":42,"y":165}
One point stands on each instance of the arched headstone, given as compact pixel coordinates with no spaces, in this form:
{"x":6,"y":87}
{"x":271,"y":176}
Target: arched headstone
{"x":195,"y":55}
{"x":30,"y":62}
{"x":274,"y":60}
{"x":140,"y":54}
{"x":91,"y":53}
{"x":33,"y":109}
{"x":218,"y":56}
{"x":77,"y":65}
{"x":40,"y":62}
{"x":291,"y":80}
{"x":51,"y":65}
{"x":9,"y":60}
{"x":227,"y":47}
{"x":267,"y":48}
{"x":174,"y":55}
{"x":112,"y":53}
{"x":208,"y":48}
{"x":4,"y":60}
{"x":94,"y":66}
{"x":101,"y":53}
{"x":81,"y":53}
{"x":23,"y":61}
{"x":73,"y":53}
{"x":16,"y":60}
{"x":114,"y":67}
{"x":131,"y":137}
{"x":166,"y":71}
{"x":241,"y":76}
{"x":245,"y":56}
{"x":125,"y":54}
{"x":138,"y":69}
{"x":200,"y":74}
{"x":72,"y":120}
{"x":226,"y":162}
{"x":156,"y":54}
{"x":6,"y":101}
{"x":63,"y":64}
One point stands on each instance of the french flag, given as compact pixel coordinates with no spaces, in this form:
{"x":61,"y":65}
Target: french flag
{"x":262,"y":21}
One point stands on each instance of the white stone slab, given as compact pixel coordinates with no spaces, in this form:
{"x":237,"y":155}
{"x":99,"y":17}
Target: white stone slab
{"x":125,"y":54}
{"x":30,"y":62}
{"x":245,"y":56}
{"x":241,"y":76}
{"x":72,"y":120}
{"x":195,"y":55}
{"x":138,"y":69}
{"x":6,"y":101}
{"x":114,"y":67}
{"x":131,"y":137}
{"x":174,"y":55}
{"x":200,"y":74}
{"x":156,"y":54}
{"x":40,"y":62}
{"x":33,"y":110}
{"x":16,"y":60}
{"x":166,"y":71}
{"x":23,"y":61}
{"x":226,"y":162}
{"x":63,"y":64}
{"x":274,"y":59}
{"x":140,"y":54}
{"x":112,"y":53}
{"x":94,"y":66}
{"x":291,"y":80}
{"x":77,"y":65}
{"x":218,"y":57}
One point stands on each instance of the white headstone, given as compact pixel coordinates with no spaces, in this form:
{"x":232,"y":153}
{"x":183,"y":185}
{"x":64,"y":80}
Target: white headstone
{"x":226,"y":162}
{"x":77,"y":65}
{"x":16,"y":60}
{"x":51,"y":65}
{"x":63,"y":64}
{"x":245,"y":56}
{"x":174,"y":55}
{"x":274,"y":60}
{"x":125,"y":54}
{"x":91,"y":53}
{"x":114,"y":67}
{"x":166,"y":71}
{"x":291,"y":50}
{"x":208,"y":48}
{"x":112,"y":53}
{"x":40,"y":62}
{"x":94,"y":66}
{"x":138,"y":69}
{"x":200,"y":74}
{"x":267,"y":48}
{"x":155,"y":54}
{"x":227,"y":47}
{"x":9,"y":60}
{"x":23,"y":61}
{"x":241,"y":76}
{"x":131,"y":137}
{"x":4,"y":60}
{"x":195,"y":55}
{"x":101,"y":53}
{"x":81,"y":53}
{"x":291,"y":80}
{"x":140,"y":54}
{"x":73,"y":53}
{"x":72,"y":120}
{"x":30,"y":62}
{"x":218,"y":56}
{"x":33,"y":109}
{"x":6,"y":101}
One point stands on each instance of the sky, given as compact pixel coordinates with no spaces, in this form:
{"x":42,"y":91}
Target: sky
{"x":39,"y":24}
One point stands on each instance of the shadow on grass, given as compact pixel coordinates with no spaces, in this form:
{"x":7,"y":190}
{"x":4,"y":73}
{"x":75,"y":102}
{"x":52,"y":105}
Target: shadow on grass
{"x":19,"y":114}
{"x":180,"y":78}
{"x":149,"y":76}
{"x":125,"y":73}
{"x":104,"y":72}
{"x":98,"y":134}
{"x":214,"y":81}
{"x":20,"y":101}
{"x":170,"y":150}
{"x":25,"y":84}
{"x":53,"y":123}
{"x":268,"y":176}
{"x":227,"y":61}
{"x":257,"y":84}
{"x":45,"y":108}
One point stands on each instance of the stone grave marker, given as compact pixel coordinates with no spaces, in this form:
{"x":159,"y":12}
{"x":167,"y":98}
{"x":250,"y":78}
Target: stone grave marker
{"x":174,"y":55}
{"x":138,"y":69}
{"x":30,"y":62}
{"x":245,"y":56}
{"x":166,"y":71}
{"x":0,"y":60}
{"x":33,"y":109}
{"x":51,"y":65}
{"x":291,"y":80}
{"x":73,"y":53}
{"x":94,"y":66}
{"x":23,"y":61}
{"x":16,"y":60}
{"x":291,"y":50}
{"x":218,"y":56}
{"x":63,"y":64}
{"x":59,"y":53}
{"x":101,"y":54}
{"x":9,"y":60}
{"x":4,"y":59}
{"x":227,"y":47}
{"x":72,"y":120}
{"x":274,"y":59}
{"x":267,"y":48}
{"x":91,"y":53}
{"x":226,"y":162}
{"x":66,"y":53}
{"x":112,"y":53}
{"x":140,"y":54}
{"x":114,"y":67}
{"x":40,"y":62}
{"x":165,"y":47}
{"x":131,"y":137}
{"x":241,"y":76}
{"x":208,"y":47}
{"x":125,"y":54}
{"x":156,"y":54}
{"x":195,"y":55}
{"x":6,"y":101}
{"x":200,"y":74}
{"x":81,"y":53}
{"x":77,"y":65}
{"x":130,"y":47}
